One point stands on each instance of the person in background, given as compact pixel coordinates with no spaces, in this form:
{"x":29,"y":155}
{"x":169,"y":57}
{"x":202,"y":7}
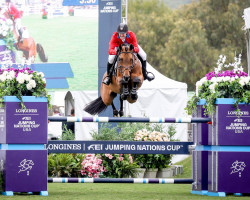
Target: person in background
{"x":55,"y":128}
{"x":16,"y":17}
{"x":121,"y":36}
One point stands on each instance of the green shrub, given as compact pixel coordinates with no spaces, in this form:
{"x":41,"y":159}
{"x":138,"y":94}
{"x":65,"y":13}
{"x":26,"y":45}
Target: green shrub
{"x":64,"y":165}
{"x":119,"y":165}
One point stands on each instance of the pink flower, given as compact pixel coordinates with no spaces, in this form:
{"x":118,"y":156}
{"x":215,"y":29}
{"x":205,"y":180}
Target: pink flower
{"x":120,"y":159}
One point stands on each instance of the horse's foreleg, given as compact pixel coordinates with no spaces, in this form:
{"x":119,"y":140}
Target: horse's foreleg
{"x":125,"y":90}
{"x":121,"y":113}
{"x":133,"y":93}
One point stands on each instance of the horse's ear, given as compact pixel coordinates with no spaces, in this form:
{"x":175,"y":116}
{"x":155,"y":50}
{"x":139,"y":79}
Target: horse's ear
{"x":131,"y":47}
{"x":120,"y":47}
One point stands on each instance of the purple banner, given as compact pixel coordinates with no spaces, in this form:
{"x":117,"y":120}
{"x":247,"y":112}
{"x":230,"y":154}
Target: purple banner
{"x":6,"y":56}
{"x":229,"y":172}
{"x":23,"y":171}
{"x":230,"y":127}
{"x":23,"y":126}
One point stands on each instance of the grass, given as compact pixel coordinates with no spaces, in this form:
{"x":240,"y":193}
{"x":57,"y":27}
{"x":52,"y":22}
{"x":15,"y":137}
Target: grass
{"x":94,"y":191}
{"x":69,"y":39}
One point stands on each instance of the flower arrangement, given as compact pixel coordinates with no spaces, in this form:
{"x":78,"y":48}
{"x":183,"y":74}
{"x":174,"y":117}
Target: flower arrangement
{"x":22,"y":82}
{"x":92,"y":166}
{"x":154,"y":160}
{"x":119,"y":165}
{"x":6,"y":32}
{"x":145,"y":135}
{"x":233,"y":83}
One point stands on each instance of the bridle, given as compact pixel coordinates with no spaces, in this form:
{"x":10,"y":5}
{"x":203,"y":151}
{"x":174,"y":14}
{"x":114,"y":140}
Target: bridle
{"x":121,"y":68}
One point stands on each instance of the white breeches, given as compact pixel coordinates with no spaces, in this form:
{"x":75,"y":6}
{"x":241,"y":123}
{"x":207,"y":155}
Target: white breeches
{"x":141,"y":53}
{"x":18,"y":23}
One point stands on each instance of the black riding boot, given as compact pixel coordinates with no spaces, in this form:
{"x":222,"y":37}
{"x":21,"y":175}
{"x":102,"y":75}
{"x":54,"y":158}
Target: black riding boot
{"x":20,"y":31}
{"x":108,"y":78}
{"x":144,"y":71}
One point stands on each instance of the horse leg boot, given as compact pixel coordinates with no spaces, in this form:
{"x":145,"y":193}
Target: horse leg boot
{"x":108,"y":79}
{"x":20,"y":31}
{"x":144,"y":71}
{"x":124,"y":92}
{"x":133,"y":93}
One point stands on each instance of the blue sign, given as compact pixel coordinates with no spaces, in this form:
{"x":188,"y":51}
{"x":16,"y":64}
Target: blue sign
{"x":110,"y":15}
{"x":118,"y":147}
{"x":80,"y":2}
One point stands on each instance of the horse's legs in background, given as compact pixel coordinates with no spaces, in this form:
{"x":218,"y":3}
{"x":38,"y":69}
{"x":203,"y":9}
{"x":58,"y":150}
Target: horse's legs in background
{"x":115,"y":112}
{"x":121,"y":113}
{"x":133,"y":93}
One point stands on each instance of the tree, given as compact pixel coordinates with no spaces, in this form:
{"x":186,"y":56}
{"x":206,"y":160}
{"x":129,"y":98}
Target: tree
{"x":185,"y":43}
{"x":187,"y":55}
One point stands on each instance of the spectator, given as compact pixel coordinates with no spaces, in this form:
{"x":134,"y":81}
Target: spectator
{"x":55,"y":128}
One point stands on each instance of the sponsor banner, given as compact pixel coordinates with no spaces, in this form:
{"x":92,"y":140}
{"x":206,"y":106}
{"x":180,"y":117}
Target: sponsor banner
{"x":124,"y":147}
{"x":80,"y":2}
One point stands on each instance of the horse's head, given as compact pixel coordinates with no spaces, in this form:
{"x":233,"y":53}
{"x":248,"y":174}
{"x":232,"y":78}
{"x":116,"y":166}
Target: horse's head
{"x":125,"y":61}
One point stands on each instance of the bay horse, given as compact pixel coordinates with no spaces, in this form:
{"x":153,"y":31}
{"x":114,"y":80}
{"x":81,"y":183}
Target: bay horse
{"x":28,"y":46}
{"x":127,"y":78}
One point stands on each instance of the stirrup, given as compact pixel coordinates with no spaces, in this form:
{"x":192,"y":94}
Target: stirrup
{"x":150,"y":77}
{"x":106,"y":81}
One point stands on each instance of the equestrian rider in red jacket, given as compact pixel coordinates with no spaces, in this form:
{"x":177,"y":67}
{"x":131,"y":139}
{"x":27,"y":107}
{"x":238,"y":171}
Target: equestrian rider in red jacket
{"x":16,"y":17}
{"x":123,"y":35}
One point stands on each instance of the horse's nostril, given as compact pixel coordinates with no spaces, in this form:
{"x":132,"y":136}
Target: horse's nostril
{"x":126,"y":78}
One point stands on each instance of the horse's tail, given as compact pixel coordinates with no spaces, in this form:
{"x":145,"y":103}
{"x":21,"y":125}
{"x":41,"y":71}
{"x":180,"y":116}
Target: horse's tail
{"x":95,"y":107}
{"x":41,"y":53}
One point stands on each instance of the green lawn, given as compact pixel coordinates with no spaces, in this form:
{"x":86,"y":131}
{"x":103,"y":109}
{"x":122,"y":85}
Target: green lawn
{"x":95,"y":191}
{"x":69,"y":39}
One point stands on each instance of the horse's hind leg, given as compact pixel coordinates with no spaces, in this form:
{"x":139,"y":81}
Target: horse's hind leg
{"x":121,"y":113}
{"x":133,"y":93}
{"x":115,"y":112}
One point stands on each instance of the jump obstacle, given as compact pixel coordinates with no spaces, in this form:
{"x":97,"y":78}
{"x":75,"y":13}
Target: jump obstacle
{"x":101,"y":147}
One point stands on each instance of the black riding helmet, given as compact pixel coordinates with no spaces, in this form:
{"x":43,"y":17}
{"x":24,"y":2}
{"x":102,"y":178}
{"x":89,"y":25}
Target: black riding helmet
{"x":122,"y":28}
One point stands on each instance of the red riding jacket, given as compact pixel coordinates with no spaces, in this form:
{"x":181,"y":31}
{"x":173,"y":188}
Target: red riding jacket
{"x":13,"y":11}
{"x":116,"y":41}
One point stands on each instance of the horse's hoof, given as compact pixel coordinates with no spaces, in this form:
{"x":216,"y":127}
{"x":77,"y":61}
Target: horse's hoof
{"x":124,"y":97}
{"x":134,"y":96}
{"x":115,"y":113}
{"x":121,"y":113}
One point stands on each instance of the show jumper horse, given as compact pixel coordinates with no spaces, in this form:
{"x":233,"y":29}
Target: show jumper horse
{"x":28,"y":46}
{"x":127,"y":78}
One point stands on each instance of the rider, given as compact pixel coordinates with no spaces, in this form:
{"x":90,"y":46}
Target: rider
{"x":123,"y":35}
{"x":16,"y":17}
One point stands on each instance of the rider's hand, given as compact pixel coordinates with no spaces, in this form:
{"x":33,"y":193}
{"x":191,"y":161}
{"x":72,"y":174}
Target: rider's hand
{"x":117,"y":51}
